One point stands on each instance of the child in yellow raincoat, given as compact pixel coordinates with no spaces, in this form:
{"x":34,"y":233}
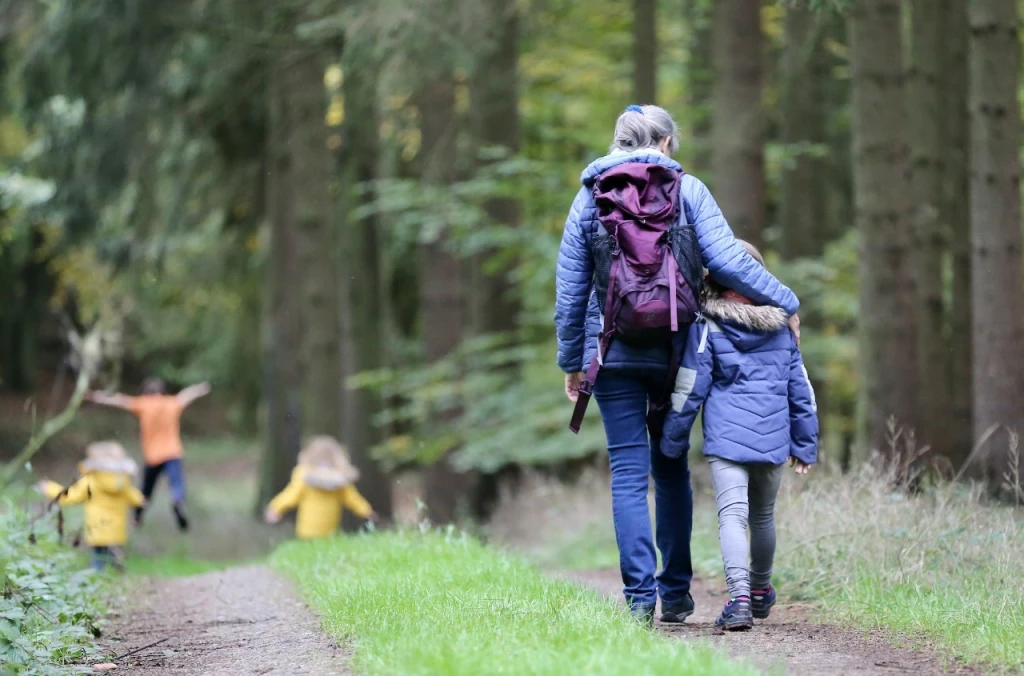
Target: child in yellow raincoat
{"x":321,"y":487}
{"x":107,"y":491}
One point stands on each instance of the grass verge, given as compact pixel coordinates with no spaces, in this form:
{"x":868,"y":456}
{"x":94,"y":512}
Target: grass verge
{"x":415,"y":603}
{"x":942,"y":565}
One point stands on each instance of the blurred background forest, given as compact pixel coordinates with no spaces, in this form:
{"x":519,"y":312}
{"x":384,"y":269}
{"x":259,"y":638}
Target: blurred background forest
{"x":345,"y":215}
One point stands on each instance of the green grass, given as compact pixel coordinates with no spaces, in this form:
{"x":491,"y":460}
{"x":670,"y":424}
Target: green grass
{"x":942,"y":565}
{"x":415,"y":603}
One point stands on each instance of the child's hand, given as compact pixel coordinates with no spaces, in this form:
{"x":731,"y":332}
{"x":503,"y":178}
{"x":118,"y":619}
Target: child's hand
{"x":271,"y":517}
{"x":41,"y":486}
{"x":799,"y":466}
{"x":374,"y":518}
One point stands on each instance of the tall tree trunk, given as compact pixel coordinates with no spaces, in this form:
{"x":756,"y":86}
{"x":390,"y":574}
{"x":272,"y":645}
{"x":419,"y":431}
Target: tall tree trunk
{"x":495,"y":107}
{"x":283,"y":372}
{"x":645,"y":51}
{"x":927,"y":113}
{"x":956,"y":190}
{"x":441,"y":284}
{"x":699,"y":76}
{"x":888,"y":298}
{"x":738,"y":125}
{"x":321,"y":294}
{"x":997,"y":289}
{"x":494,"y":93}
{"x":363,"y":254}
{"x":804,"y":202}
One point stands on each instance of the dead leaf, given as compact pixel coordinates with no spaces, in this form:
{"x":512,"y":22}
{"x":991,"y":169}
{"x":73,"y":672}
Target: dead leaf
{"x":106,"y":666}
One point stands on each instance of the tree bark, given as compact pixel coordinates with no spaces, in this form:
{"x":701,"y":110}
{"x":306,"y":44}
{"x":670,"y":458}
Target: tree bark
{"x":888,"y":298}
{"x":645,"y":52}
{"x":956,"y":191}
{"x":927,"y":113}
{"x":321,"y":301}
{"x":363,"y":255}
{"x":804,"y":213}
{"x":283,"y":328}
{"x":494,"y":93}
{"x":738,"y":125}
{"x":699,"y":76}
{"x":997,"y":289}
{"x":441,"y":279}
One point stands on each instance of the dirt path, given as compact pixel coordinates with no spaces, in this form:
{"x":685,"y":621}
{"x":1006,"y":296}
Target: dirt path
{"x":788,"y":640}
{"x":239,"y":621}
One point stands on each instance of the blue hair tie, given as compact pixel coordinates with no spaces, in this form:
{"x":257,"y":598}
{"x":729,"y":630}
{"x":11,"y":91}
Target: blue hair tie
{"x":633,"y":108}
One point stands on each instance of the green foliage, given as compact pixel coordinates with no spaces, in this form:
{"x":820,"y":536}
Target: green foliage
{"x":50,"y":608}
{"x":476,"y":612}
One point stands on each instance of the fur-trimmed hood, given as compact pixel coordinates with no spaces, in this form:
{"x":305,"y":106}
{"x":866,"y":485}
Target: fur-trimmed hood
{"x":761,"y":318}
{"x":328,"y":478}
{"x":113,"y":465}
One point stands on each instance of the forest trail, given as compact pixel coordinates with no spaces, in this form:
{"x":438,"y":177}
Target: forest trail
{"x":788,"y":641}
{"x":240,"y":621}
{"x":247,"y":620}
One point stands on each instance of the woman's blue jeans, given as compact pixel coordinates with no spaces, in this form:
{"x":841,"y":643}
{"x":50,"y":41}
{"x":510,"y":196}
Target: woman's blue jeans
{"x":622,"y":397}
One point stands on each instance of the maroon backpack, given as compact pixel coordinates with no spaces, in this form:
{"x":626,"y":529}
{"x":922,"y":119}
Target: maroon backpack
{"x":647,"y":271}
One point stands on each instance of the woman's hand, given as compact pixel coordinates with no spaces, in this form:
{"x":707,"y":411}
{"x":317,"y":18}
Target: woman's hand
{"x":572,"y":385}
{"x":799,"y":466}
{"x":271,"y":517}
{"x":794,"y":326}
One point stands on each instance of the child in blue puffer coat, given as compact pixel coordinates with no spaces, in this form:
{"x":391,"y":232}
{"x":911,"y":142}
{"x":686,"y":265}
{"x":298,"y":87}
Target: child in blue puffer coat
{"x":743,"y":365}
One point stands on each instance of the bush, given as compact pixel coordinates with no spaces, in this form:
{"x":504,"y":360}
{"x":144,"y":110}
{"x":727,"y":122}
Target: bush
{"x":50,"y":607}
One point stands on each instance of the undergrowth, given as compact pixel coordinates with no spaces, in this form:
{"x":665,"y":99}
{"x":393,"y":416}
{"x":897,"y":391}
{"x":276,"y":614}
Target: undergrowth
{"x":50,"y":604}
{"x":430,"y":603}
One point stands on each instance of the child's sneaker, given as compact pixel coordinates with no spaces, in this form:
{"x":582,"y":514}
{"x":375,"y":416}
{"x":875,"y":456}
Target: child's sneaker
{"x":736,"y":615}
{"x":677,"y":613}
{"x":761,"y":602}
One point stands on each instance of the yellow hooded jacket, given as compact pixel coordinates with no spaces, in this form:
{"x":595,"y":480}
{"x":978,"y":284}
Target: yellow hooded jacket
{"x":107,"y":497}
{"x":319,"y":502}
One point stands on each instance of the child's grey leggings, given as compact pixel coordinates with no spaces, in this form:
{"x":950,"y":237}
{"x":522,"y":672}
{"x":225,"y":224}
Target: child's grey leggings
{"x":733,"y":483}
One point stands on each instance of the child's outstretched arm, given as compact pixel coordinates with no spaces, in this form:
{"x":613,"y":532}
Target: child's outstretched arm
{"x":77,"y":493}
{"x":356,"y":503}
{"x":121,"y":401}
{"x":693,"y":383}
{"x":134,"y":496}
{"x":193,"y":392}
{"x":803,"y":413}
{"x":286,"y":500}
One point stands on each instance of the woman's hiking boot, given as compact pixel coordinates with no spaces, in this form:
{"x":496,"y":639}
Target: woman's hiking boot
{"x":676,"y":613}
{"x":736,"y":615}
{"x":761,"y":602}
{"x":643,"y":614}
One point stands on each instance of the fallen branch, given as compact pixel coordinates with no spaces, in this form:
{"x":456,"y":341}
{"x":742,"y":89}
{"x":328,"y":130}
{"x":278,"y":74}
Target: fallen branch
{"x":139,"y":650}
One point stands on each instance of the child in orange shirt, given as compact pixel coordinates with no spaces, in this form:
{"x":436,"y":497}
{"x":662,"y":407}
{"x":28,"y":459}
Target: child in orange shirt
{"x":321,"y":487}
{"x":159,"y":417}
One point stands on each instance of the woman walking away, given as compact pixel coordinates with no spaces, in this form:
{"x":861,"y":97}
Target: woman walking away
{"x":107,"y":491}
{"x":322,"y":486}
{"x":160,"y":428}
{"x":744,"y":366}
{"x":636,"y":203}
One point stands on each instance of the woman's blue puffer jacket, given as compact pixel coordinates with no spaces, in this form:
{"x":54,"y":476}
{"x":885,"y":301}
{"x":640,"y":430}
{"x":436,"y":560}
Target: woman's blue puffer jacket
{"x":577,"y":318}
